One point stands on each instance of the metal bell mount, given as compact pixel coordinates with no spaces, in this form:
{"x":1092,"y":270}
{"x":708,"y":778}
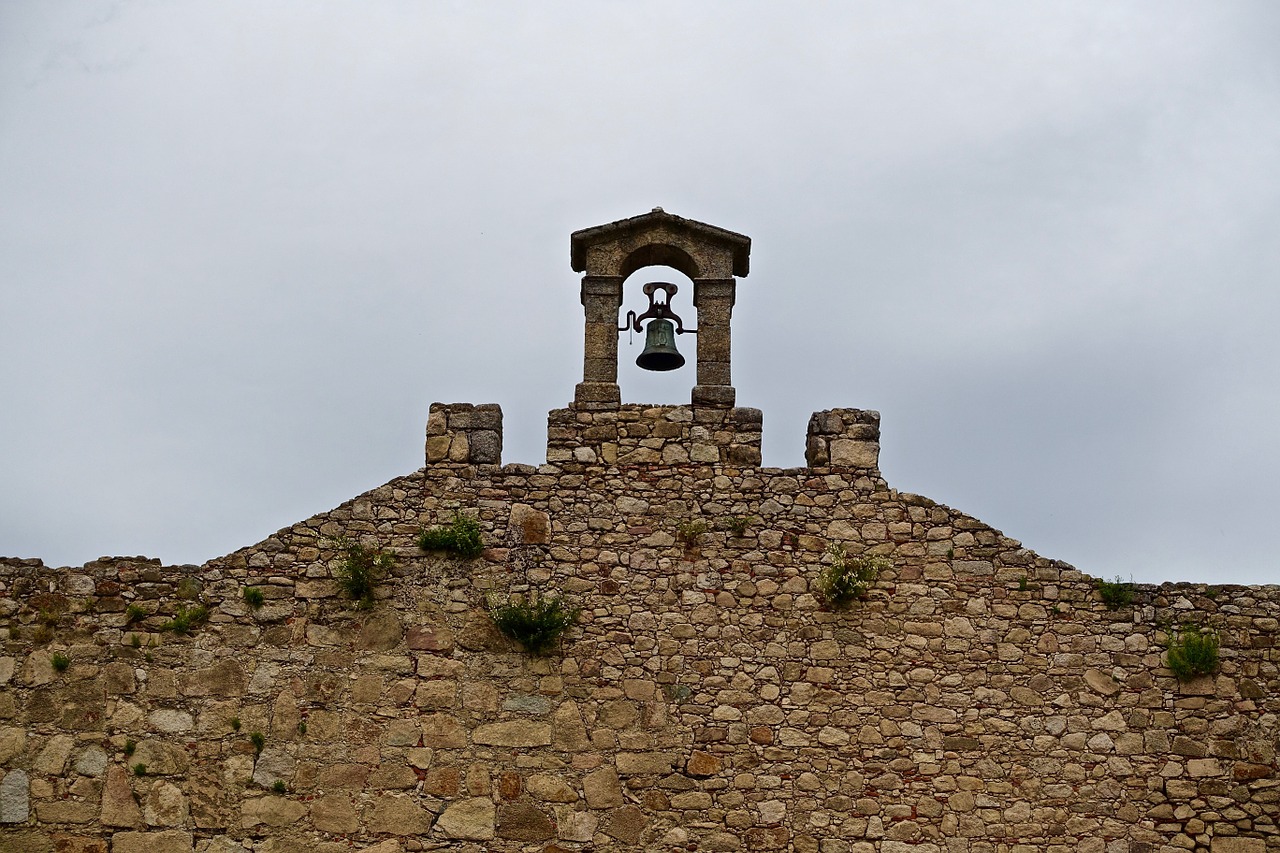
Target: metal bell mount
{"x":660,"y":351}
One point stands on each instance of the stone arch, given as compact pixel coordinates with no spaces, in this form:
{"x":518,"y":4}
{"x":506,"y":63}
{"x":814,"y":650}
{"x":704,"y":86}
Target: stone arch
{"x":659,"y":255}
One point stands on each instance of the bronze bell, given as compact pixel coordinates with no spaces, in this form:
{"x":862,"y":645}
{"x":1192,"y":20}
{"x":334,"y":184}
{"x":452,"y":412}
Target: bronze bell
{"x":660,"y":347}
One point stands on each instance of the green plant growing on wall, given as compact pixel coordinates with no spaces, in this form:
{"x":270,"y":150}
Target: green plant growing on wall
{"x":60,"y":662}
{"x":129,"y":747}
{"x":259,"y":740}
{"x":253,"y":597}
{"x":235,"y":724}
{"x":135,"y":640}
{"x":1116,"y":593}
{"x":278,"y":786}
{"x":846,"y":579}
{"x":460,"y":536}
{"x":689,"y":531}
{"x":134,"y":613}
{"x":738,"y":525}
{"x":187,"y":619}
{"x":140,"y":769}
{"x":360,"y":569}
{"x":537,"y":622}
{"x":1192,"y":651}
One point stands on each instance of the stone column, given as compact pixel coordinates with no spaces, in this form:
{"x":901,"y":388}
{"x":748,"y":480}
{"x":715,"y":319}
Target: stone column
{"x":601,"y":299}
{"x":713,"y":297}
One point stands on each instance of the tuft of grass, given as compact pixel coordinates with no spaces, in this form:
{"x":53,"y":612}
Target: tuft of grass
{"x":259,"y":740}
{"x":1116,"y":593}
{"x":135,"y":640}
{"x":1193,"y":651}
{"x":689,"y":531}
{"x":60,"y":662}
{"x":253,"y":597}
{"x":140,"y":769}
{"x":537,"y":623}
{"x":302,"y":727}
{"x":848,"y":579}
{"x":134,"y":613}
{"x":129,"y":747}
{"x":360,"y":569}
{"x":278,"y":786}
{"x":738,"y":525}
{"x":460,"y":536}
{"x":235,"y":724}
{"x":187,"y":619}
{"x":1022,"y":584}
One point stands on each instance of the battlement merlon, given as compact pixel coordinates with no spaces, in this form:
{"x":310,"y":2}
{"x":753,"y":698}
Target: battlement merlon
{"x":640,"y":434}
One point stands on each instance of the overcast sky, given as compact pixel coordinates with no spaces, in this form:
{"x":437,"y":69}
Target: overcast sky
{"x":244,"y":245}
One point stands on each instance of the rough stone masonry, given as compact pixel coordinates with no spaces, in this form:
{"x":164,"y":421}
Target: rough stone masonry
{"x":982,"y":699}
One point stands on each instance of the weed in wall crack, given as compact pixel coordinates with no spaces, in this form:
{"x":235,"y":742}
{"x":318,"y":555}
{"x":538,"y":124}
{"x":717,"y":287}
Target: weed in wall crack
{"x":1117,"y":593}
{"x":1193,"y":651}
{"x":848,"y":579}
{"x":460,"y":536}
{"x":187,"y":619}
{"x":689,"y":531}
{"x":360,"y":569}
{"x":537,"y":623}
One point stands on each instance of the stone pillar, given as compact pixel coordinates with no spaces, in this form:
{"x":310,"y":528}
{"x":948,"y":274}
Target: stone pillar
{"x":843,"y":438}
{"x":713,"y":297}
{"x":463,"y":434}
{"x":601,"y":299}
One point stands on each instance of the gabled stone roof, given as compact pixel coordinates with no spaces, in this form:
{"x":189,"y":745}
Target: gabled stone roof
{"x":580,"y":241}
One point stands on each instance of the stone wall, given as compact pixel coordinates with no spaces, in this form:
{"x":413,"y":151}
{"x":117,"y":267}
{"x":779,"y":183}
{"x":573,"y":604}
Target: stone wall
{"x":981,"y":700}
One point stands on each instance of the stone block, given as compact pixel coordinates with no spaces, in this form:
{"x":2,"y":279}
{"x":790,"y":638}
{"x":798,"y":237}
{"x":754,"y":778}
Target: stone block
{"x":626,"y":824}
{"x":168,"y":841}
{"x":514,"y":733}
{"x":26,"y":841}
{"x":15,"y":797}
{"x":335,"y":813}
{"x":524,"y":822}
{"x":486,"y":447}
{"x":573,"y":825}
{"x":472,"y":819}
{"x":849,"y":453}
{"x":13,"y":742}
{"x":271,"y":811}
{"x":602,"y":788}
{"x":1238,"y":845}
{"x":632,"y":763}
{"x":119,"y":808}
{"x":399,"y":815}
{"x":531,"y":525}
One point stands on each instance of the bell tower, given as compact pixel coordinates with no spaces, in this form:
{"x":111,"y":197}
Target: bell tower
{"x":711,"y":257}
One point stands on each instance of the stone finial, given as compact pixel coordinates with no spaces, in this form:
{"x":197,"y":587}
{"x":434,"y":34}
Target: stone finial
{"x":464,"y":434}
{"x":843,"y":438}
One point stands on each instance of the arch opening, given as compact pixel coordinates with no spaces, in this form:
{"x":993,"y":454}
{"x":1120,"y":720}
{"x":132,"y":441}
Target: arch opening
{"x":636,"y":384}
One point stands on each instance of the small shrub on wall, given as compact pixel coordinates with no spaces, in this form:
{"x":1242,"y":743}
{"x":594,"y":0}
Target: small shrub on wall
{"x":1116,"y":593}
{"x":460,"y":536}
{"x":846,"y":579}
{"x":1193,"y":651}
{"x":537,"y":623}
{"x":360,"y":569}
